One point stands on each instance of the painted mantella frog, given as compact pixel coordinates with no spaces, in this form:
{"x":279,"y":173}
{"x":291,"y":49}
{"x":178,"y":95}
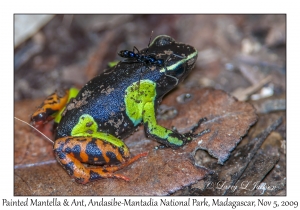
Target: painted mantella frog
{"x":111,"y":106}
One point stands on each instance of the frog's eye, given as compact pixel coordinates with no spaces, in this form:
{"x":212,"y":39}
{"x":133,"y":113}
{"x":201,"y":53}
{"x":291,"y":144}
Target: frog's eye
{"x":39,"y":117}
{"x":179,"y":70}
{"x":176,"y":69}
{"x":163,"y":40}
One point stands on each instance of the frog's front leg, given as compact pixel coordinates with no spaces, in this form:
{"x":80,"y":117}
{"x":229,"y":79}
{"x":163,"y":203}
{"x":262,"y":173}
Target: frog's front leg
{"x":165,"y":136}
{"x":72,"y":152}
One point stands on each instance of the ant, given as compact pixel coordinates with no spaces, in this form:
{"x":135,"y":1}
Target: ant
{"x":146,"y":58}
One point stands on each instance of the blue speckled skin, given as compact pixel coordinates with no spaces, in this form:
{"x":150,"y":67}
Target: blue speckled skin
{"x":103,"y":96}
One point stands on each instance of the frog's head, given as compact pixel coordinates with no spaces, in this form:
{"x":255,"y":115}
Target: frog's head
{"x":179,"y":58}
{"x":40,"y":117}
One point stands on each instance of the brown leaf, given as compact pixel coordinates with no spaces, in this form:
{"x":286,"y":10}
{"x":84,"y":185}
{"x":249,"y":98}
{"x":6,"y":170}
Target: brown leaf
{"x":227,"y":119}
{"x":162,"y":172}
{"x":227,"y":178}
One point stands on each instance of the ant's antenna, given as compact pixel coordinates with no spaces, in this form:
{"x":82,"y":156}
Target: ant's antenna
{"x":35,"y":129}
{"x":150,"y":39}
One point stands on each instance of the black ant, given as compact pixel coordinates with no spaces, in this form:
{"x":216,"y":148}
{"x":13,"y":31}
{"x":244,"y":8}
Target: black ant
{"x":145,"y":58}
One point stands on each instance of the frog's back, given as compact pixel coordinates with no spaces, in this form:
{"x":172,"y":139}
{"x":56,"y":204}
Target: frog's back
{"x":103,"y":99}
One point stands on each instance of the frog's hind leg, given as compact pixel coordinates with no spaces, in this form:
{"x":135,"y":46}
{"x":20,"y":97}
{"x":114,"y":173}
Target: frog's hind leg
{"x":72,"y":152}
{"x":125,"y":164}
{"x":81,"y":173}
{"x":169,"y":138}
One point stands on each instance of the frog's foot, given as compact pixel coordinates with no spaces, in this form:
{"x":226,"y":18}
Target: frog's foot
{"x":72,"y":152}
{"x":125,"y":164}
{"x":191,"y":134}
{"x":111,"y":169}
{"x":186,"y":137}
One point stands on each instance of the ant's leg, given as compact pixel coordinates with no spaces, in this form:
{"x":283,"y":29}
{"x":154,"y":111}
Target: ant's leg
{"x":141,"y":75}
{"x":134,"y":48}
{"x":146,"y":51}
{"x":130,"y":60}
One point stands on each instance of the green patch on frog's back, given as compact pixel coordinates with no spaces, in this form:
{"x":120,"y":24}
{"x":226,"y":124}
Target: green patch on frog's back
{"x":136,"y":95}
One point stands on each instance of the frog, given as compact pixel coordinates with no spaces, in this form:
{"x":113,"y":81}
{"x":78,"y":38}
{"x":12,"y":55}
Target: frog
{"x":93,"y":122}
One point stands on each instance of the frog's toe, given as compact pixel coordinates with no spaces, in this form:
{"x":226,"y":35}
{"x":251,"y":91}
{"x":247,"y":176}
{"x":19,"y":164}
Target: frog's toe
{"x":202,"y":132}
